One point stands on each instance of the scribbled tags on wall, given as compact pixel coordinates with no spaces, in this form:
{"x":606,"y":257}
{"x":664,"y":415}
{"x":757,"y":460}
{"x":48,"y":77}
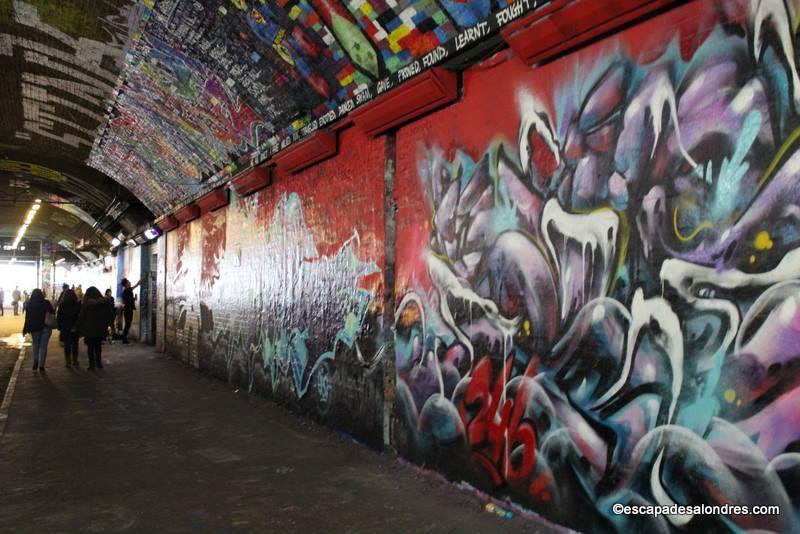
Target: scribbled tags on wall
{"x":283,"y":310}
{"x":212,"y":80}
{"x":59,"y":65}
{"x":611,"y":311}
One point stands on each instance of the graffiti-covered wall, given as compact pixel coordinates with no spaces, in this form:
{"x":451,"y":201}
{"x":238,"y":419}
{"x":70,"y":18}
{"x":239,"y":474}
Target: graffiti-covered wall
{"x":281,"y":292}
{"x":597,"y":275}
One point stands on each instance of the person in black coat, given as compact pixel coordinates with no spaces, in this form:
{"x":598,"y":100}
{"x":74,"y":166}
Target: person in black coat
{"x":69,"y":310}
{"x":128,"y":306}
{"x":93,"y":322}
{"x":36,"y":324}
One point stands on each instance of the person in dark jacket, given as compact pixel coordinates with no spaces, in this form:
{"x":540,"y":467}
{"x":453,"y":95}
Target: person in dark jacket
{"x":68,"y":312}
{"x":36,"y":325}
{"x":128,"y":306}
{"x":93,"y":322}
{"x":64,"y":288}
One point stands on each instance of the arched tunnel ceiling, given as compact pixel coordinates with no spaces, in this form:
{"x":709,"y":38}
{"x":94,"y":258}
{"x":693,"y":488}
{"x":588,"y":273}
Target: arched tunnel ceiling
{"x":60,"y":62}
{"x":162,"y":95}
{"x":210,"y":80}
{"x":52,"y":223}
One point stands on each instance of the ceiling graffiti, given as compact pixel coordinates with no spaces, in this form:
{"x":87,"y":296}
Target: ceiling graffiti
{"x":60,"y":62}
{"x":166,"y":96}
{"x":210,"y":80}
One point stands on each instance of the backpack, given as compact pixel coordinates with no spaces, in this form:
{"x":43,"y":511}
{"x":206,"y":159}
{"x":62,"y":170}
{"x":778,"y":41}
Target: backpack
{"x":50,"y":317}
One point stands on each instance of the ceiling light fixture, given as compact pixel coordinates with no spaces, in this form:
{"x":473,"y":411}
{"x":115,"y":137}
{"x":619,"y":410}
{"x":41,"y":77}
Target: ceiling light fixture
{"x":152,"y":233}
{"x":26,"y":223}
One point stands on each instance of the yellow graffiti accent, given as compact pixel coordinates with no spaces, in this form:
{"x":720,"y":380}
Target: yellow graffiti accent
{"x":730,"y":395}
{"x":763,"y":241}
{"x":241,"y":4}
{"x":623,"y":238}
{"x":527,"y":327}
{"x":21,"y":167}
{"x":787,"y":144}
{"x":281,"y":49}
{"x":703,"y":225}
{"x":752,"y":259}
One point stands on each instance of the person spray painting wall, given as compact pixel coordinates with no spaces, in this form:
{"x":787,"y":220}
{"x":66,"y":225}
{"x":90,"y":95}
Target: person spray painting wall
{"x":128,"y":306}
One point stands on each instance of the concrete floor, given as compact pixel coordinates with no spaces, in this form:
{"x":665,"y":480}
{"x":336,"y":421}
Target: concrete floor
{"x":148,"y":445}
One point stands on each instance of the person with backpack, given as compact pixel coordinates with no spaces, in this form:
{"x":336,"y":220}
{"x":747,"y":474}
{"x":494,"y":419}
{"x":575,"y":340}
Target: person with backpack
{"x":39,"y":322}
{"x":93,"y":322}
{"x":67,"y":316}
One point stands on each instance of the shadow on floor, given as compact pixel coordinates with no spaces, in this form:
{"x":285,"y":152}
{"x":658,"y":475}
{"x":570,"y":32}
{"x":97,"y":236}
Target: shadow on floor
{"x":148,"y":445}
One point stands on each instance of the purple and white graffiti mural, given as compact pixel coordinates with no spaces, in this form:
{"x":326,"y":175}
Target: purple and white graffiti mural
{"x":604,"y":307}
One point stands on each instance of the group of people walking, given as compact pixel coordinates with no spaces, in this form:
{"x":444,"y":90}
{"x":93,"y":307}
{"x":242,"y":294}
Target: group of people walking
{"x":90,"y":316}
{"x":17,"y":297}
